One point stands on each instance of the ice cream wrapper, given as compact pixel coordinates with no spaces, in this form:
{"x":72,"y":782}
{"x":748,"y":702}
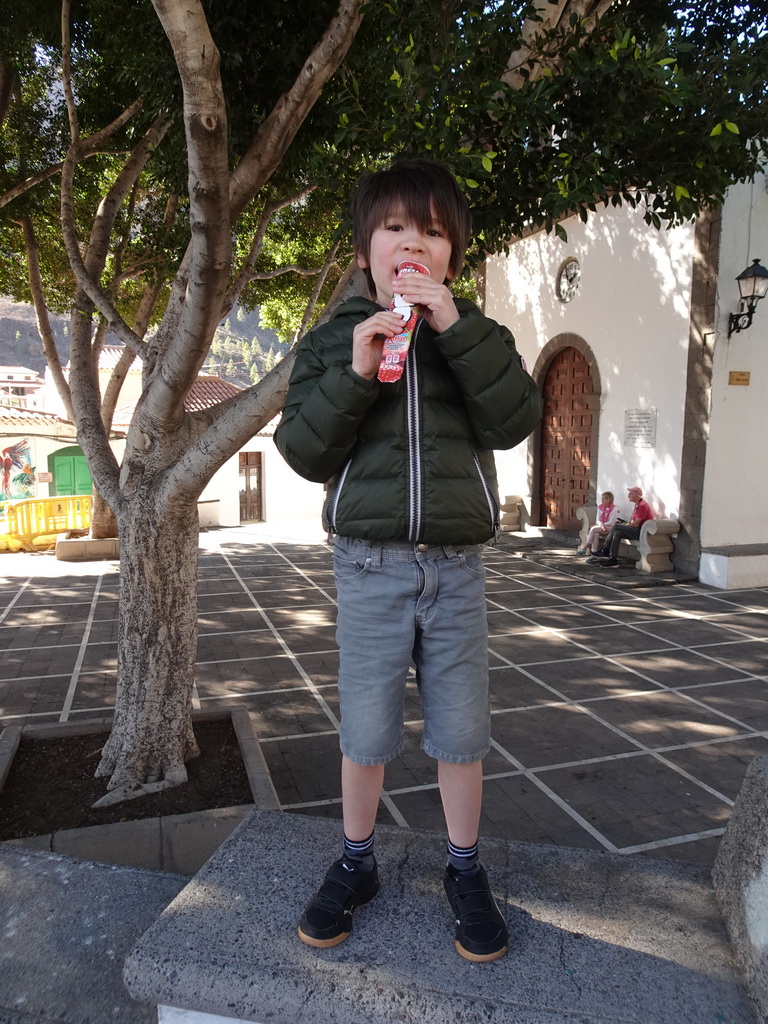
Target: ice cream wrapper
{"x":395,"y":350}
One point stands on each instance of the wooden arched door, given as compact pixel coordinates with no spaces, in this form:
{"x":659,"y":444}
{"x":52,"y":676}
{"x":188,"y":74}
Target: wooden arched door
{"x":566,"y":439}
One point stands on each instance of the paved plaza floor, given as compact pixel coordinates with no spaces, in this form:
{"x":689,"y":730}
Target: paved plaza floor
{"x":624,"y":717}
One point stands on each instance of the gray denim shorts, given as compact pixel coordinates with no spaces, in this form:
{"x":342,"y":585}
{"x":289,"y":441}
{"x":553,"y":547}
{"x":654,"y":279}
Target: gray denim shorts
{"x":403,"y":604}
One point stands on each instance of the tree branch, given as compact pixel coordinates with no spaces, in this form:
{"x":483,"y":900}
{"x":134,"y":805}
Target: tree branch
{"x":279,"y":129}
{"x":92,"y":146}
{"x":41,"y":313}
{"x":9,"y":78}
{"x":322,"y":275}
{"x":224,"y":429}
{"x":270,"y":275}
{"x":24,"y":186}
{"x":207,"y":261}
{"x":88,"y":271}
{"x":271,"y":207}
{"x":66,"y":71}
{"x":552,"y":15}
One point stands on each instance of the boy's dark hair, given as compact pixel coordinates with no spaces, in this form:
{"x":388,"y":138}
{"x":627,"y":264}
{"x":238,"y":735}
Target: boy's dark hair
{"x":417,"y":186}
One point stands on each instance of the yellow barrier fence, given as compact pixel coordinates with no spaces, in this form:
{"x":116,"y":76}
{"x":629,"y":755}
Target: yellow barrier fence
{"x":33,"y":524}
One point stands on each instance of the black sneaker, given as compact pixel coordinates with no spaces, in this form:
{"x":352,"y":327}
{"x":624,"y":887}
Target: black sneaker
{"x":327,"y":921}
{"x":481,"y":932}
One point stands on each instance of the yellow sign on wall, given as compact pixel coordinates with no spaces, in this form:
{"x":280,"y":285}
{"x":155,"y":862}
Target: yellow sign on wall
{"x":739,"y":377}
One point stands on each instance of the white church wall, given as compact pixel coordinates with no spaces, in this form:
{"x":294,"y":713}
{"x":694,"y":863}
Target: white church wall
{"x":632,"y":310}
{"x":736,"y":478}
{"x":285,"y":495}
{"x":288,"y":496}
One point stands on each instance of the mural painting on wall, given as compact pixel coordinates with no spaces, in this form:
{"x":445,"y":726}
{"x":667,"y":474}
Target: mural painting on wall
{"x":18,"y":473}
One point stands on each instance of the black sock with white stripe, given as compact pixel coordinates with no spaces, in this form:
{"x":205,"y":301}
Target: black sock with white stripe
{"x":360,"y":852}
{"x":462,"y":858}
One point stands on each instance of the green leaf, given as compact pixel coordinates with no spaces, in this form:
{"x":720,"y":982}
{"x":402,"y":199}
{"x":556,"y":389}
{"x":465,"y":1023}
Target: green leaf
{"x":680,"y":192}
{"x":472,"y":183}
{"x":717,"y":130}
{"x":561,"y":232}
{"x":731,"y":127}
{"x":487,"y":164}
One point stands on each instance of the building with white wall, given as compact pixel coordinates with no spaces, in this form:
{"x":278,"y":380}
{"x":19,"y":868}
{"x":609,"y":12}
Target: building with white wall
{"x":625,"y":328}
{"x":254,"y":485}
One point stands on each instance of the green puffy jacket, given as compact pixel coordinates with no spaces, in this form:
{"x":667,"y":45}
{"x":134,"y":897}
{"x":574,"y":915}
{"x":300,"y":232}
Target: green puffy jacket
{"x":412,"y":460}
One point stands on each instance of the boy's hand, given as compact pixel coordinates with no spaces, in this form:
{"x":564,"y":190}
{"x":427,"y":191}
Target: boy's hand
{"x":433,"y":298}
{"x":368,"y":341}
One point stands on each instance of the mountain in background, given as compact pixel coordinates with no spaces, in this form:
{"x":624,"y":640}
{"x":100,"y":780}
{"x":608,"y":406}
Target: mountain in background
{"x":242,"y":351}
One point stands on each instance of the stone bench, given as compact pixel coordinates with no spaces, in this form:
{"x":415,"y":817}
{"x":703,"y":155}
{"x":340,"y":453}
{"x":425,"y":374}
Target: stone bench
{"x":651,"y":550}
{"x":595,"y":937}
{"x":510,"y":514}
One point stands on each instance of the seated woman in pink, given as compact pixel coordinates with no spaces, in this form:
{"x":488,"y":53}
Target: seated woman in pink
{"x":607,"y":514}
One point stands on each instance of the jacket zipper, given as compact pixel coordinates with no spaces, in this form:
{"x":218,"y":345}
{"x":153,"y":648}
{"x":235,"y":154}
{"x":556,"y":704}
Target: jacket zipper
{"x":493,"y":508}
{"x":414,"y":448}
{"x":333,"y":504}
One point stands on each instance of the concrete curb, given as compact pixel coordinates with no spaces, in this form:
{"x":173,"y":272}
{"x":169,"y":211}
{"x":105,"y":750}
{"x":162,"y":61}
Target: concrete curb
{"x":179,"y":843}
{"x":9,"y":744}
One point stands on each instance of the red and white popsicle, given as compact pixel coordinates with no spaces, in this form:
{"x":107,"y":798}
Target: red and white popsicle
{"x":395,"y":350}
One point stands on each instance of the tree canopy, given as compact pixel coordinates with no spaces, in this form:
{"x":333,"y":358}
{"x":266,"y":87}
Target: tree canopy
{"x":652,"y":101}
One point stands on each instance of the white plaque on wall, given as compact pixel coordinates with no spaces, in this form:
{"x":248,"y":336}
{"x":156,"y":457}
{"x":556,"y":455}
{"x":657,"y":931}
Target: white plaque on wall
{"x":640,"y":428}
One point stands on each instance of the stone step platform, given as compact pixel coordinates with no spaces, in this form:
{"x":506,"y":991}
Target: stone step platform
{"x":596,"y":938}
{"x":66,"y":926}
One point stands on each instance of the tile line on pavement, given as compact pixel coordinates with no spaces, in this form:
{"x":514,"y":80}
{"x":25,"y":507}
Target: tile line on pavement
{"x":297,"y":665}
{"x":661,"y":844}
{"x":556,"y":798}
{"x":70,"y":695}
{"x":631,"y":739}
{"x":14,"y":600}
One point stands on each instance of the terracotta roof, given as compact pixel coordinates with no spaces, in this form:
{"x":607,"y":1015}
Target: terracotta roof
{"x":205,"y":392}
{"x":208,"y":391}
{"x":30,"y":417}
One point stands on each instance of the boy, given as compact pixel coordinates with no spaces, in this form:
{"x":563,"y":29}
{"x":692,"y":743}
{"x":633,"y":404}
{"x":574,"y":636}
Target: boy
{"x":412,"y":498}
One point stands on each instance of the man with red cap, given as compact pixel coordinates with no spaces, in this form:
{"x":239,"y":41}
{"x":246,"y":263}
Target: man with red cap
{"x":607,"y":557}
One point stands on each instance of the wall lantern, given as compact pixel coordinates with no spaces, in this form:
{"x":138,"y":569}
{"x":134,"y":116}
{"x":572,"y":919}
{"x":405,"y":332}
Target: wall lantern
{"x":753,"y":284}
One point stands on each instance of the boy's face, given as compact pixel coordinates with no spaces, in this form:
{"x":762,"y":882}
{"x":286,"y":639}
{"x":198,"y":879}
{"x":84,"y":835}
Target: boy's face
{"x":397,"y":239}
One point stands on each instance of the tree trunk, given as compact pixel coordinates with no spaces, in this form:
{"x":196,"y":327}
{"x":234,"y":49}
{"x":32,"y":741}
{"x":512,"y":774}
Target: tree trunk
{"x":152,"y":735}
{"x":103,"y":519}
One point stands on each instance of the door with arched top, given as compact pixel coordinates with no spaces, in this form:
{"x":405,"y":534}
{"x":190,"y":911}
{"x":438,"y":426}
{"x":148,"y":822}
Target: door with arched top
{"x":566,"y":439}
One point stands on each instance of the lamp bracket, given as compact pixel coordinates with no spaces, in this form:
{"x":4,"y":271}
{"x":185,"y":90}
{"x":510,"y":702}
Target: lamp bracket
{"x":742,"y":320}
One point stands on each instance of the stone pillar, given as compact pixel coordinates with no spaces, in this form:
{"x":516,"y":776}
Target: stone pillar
{"x":698,"y":389}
